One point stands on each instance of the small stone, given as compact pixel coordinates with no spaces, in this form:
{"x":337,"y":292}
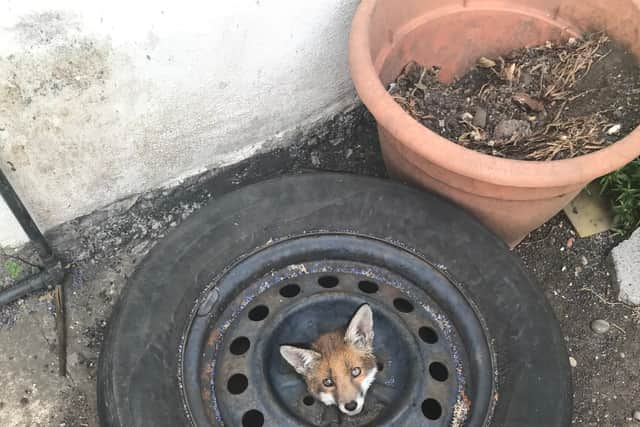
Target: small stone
{"x":600,"y":326}
{"x":583,"y":260}
{"x":570,"y":242}
{"x":73,"y":359}
{"x":510,"y":128}
{"x":480,"y":117}
{"x":466,"y":117}
{"x":613,"y":130}
{"x":315,"y":159}
{"x":573,"y":362}
{"x":636,"y":415}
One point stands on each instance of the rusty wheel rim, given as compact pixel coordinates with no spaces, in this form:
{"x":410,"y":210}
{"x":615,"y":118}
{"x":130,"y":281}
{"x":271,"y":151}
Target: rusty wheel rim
{"x":436,"y":363}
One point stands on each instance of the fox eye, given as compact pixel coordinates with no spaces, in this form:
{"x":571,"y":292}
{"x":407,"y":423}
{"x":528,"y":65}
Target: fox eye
{"x":327,"y":382}
{"x":355,"y":372}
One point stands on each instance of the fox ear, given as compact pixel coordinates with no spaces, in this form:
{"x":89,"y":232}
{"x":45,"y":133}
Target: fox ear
{"x":302,"y":360}
{"x":360,"y":330}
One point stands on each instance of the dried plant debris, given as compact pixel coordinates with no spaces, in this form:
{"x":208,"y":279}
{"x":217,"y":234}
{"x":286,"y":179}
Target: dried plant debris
{"x":549,"y":102}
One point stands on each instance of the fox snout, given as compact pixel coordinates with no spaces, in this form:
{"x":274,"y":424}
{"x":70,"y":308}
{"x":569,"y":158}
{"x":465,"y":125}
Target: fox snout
{"x":353,"y":405}
{"x":340,"y":366}
{"x":352,"y":408}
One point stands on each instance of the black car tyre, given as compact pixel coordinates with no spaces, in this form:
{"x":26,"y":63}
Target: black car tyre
{"x":140,"y":368}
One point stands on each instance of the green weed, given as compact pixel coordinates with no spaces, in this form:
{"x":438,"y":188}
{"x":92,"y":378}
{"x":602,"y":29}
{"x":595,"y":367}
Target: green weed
{"x":623,"y":188}
{"x":13,"y":269}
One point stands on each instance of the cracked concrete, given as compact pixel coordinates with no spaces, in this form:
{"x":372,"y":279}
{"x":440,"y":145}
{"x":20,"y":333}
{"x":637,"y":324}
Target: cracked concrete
{"x":33,"y":394}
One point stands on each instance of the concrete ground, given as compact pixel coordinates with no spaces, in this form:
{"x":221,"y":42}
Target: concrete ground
{"x":107,"y":245}
{"x":32,"y":392}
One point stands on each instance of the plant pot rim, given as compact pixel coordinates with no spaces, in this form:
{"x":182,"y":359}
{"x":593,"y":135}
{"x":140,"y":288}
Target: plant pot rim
{"x":463,"y":161}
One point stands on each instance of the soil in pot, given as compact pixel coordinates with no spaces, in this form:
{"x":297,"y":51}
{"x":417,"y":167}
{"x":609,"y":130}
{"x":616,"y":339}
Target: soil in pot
{"x":548,"y":102}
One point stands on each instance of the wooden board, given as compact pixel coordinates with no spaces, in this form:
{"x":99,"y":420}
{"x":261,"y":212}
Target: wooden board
{"x":589,"y":212}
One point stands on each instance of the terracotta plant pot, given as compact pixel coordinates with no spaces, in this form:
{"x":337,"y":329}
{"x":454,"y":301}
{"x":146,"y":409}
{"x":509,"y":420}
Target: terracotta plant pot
{"x":512,"y":197}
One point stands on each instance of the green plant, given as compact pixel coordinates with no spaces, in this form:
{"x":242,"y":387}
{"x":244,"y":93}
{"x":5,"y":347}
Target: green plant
{"x":623,"y":187}
{"x":13,"y":269}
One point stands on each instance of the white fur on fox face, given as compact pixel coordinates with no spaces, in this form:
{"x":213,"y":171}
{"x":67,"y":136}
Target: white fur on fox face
{"x":366,"y":383}
{"x":327,"y":399}
{"x":368,"y":380}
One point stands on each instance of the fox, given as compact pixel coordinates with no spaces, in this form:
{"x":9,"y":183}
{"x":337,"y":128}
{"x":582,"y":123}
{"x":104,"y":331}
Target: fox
{"x":340,"y":366}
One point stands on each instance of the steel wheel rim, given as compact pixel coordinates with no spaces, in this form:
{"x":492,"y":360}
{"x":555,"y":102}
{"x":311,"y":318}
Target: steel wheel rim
{"x":258,"y":280}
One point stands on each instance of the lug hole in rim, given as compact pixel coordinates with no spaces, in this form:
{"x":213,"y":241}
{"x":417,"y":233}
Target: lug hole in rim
{"x":431,"y":409}
{"x":403,"y":305}
{"x":253,"y":418}
{"x":259,"y":313}
{"x":290,"y":290}
{"x":328,"y":281}
{"x":368,"y":287}
{"x":438,"y":371}
{"x":428,"y":335}
{"x":237,"y":384}
{"x":240,"y":346}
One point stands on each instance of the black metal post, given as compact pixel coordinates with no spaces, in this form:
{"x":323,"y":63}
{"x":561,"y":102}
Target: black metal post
{"x":52,"y":272}
{"x":51,"y":275}
{"x":24,"y":218}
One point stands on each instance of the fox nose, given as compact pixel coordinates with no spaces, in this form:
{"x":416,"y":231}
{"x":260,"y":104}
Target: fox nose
{"x":351,"y":406}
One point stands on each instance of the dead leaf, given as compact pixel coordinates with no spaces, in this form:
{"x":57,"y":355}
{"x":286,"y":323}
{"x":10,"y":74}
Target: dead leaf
{"x":509,"y":72}
{"x":484,"y":62}
{"x":529,"y":102}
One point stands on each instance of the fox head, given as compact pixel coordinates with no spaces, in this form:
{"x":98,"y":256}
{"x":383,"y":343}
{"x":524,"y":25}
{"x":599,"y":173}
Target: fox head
{"x":340,"y":366}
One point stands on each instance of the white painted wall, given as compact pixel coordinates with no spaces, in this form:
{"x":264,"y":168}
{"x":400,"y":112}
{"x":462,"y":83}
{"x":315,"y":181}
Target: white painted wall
{"x":11,"y":233}
{"x":99,"y":100}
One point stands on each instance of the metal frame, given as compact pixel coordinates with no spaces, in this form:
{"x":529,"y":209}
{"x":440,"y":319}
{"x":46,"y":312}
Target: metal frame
{"x":52,"y":274}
